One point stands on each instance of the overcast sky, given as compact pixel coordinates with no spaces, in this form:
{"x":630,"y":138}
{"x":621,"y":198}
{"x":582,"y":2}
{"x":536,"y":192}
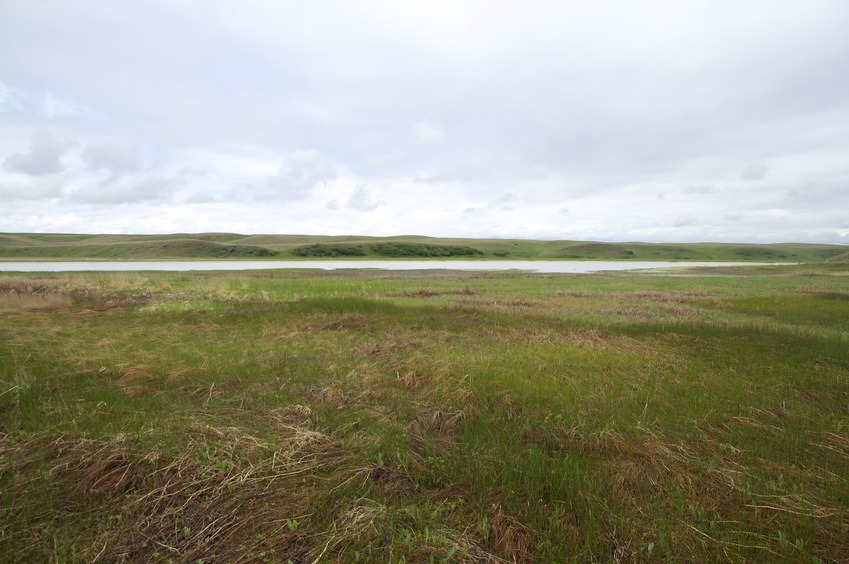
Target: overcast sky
{"x":716,"y":120}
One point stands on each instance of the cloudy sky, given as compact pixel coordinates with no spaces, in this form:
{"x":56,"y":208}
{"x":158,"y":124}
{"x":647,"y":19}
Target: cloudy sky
{"x":631,"y":120}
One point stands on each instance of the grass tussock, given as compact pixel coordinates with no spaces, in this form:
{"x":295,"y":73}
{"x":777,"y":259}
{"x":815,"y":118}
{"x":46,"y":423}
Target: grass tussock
{"x":223,"y":499}
{"x":25,"y":295}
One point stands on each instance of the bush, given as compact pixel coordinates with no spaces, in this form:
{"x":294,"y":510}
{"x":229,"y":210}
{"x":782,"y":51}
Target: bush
{"x":319,"y":250}
{"x":386,"y":250}
{"x":421,"y":250}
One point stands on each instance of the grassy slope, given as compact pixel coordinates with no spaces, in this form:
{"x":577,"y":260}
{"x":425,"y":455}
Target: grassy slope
{"x":130,"y":247}
{"x":473,"y":418}
{"x":231,"y":245}
{"x":839,"y":259}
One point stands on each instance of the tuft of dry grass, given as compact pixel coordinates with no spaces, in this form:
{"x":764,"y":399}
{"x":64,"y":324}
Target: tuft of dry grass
{"x":574,"y":293}
{"x":327,"y":395}
{"x":509,"y":536}
{"x":228,"y":497}
{"x":32,"y":295}
{"x":411,"y":379}
{"x":429,"y":293}
{"x":33,"y":303}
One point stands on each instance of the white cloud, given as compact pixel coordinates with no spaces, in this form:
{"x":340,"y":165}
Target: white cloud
{"x":10,"y":99}
{"x":52,"y":107}
{"x":299,"y":176}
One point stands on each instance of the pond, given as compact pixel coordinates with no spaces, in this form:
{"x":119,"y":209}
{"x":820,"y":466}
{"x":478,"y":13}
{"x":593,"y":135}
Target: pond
{"x":542,"y":266}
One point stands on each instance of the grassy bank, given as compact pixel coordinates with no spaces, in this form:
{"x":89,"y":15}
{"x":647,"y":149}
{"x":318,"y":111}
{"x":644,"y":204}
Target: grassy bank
{"x":374,"y":416}
{"x":234,"y":246}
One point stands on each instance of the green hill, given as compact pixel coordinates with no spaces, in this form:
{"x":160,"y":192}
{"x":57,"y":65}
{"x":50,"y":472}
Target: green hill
{"x":105,"y":247}
{"x":26,"y":246}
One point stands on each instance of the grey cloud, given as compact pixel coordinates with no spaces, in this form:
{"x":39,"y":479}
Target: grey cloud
{"x":825,"y":196}
{"x":39,"y":190}
{"x":199,"y":198}
{"x":301,"y":173}
{"x":124,"y":191}
{"x":114,"y":157}
{"x":456,"y":174}
{"x":427,"y":133}
{"x":755,"y":171}
{"x":152,"y":189}
{"x":701,"y":189}
{"x":43,"y":158}
{"x":382,"y":161}
{"x":360,"y":200}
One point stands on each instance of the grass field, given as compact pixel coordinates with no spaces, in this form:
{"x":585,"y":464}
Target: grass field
{"x":425,"y":417}
{"x":23,"y":246}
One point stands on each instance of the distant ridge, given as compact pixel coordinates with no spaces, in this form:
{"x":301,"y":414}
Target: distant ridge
{"x":30,"y":246}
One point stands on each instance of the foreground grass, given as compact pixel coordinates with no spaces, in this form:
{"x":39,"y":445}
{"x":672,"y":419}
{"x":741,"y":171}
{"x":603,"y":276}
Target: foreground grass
{"x":343,"y":417}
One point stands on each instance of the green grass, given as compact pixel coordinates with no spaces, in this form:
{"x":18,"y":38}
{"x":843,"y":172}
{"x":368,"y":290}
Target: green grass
{"x":164,"y":247}
{"x":376,"y":416}
{"x":231,"y":245}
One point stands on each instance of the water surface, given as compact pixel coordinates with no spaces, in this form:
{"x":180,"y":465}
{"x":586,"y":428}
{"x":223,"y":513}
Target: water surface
{"x":543,"y":266}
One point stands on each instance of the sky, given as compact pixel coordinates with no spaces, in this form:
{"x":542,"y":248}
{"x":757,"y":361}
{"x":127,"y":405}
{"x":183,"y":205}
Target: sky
{"x":631,"y":120}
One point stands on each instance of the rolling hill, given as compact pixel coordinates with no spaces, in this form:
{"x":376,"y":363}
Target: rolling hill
{"x":31,"y":246}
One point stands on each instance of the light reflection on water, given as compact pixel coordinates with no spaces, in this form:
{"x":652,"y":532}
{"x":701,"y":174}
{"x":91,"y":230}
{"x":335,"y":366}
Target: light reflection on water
{"x":542,"y":266}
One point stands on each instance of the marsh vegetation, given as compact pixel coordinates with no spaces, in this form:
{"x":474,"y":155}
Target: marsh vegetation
{"x":379,"y":416}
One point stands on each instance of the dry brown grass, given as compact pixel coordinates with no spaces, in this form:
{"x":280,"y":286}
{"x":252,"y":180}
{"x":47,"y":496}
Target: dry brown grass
{"x":369,"y":522}
{"x":428,"y":293}
{"x":574,"y":293}
{"x":135,"y":373}
{"x":683,"y":297}
{"x":347,"y":321}
{"x":33,"y":303}
{"x":229,"y":497}
{"x":509,"y":537}
{"x":433,"y":432}
{"x":327,"y":395}
{"x":32,"y":295}
{"x":293,"y":415}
